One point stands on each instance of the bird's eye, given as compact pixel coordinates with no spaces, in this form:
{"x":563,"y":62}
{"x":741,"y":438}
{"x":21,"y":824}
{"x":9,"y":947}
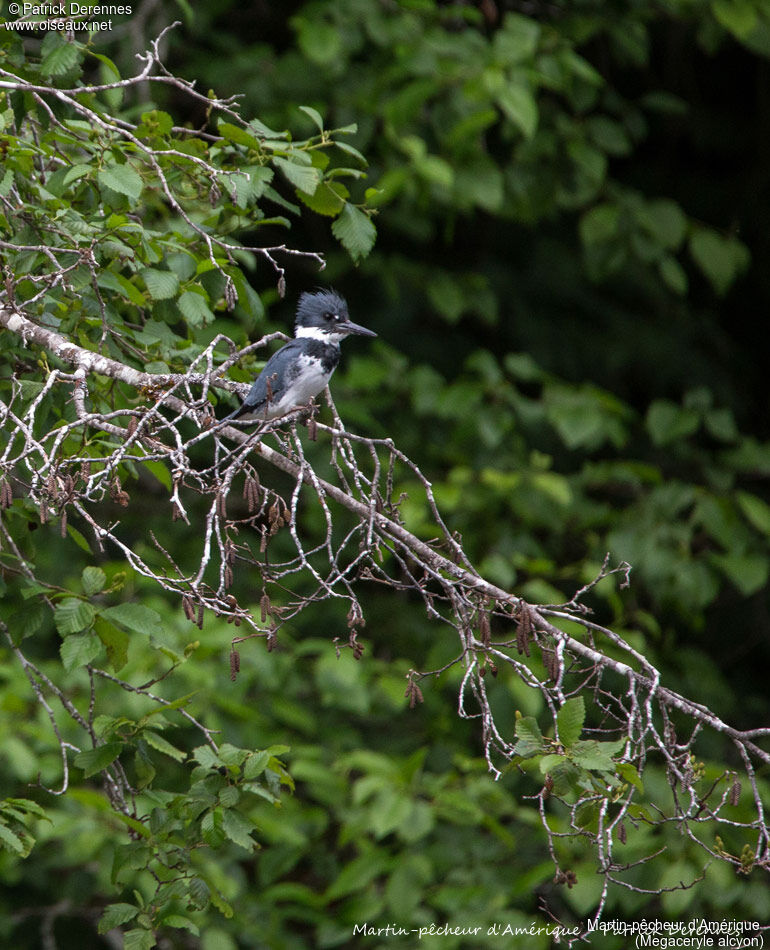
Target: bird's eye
{"x":331,"y":316}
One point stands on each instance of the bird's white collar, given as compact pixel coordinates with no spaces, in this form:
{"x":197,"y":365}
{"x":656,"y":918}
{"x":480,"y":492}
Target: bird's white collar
{"x":316,"y":333}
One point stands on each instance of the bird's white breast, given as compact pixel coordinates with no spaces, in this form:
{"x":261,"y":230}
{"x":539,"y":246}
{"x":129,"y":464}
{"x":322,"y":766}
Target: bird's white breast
{"x":308,"y":380}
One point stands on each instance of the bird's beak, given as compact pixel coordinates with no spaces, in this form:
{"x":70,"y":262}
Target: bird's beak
{"x":349,"y":327}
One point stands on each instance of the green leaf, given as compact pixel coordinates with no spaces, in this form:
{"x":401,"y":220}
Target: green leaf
{"x":194,"y":309}
{"x":596,"y":756}
{"x":256,"y":764}
{"x":237,"y":135}
{"x":156,"y":122}
{"x":328,"y":199}
{"x":78,"y":538}
{"x":738,"y":16}
{"x":79,"y":649}
{"x":238,"y":829}
{"x":11,"y":841}
{"x":314,"y":115}
{"x":115,"y":641}
{"x":570,"y":719}
{"x":161,"y":284}
{"x":178,"y":703}
{"x":160,"y":471}
{"x":756,"y":511}
{"x":115,"y":915}
{"x":748,"y":572}
{"x":94,"y":760}
{"x":530,"y":737}
{"x":206,"y":757}
{"x":121,"y":178}
{"x":666,"y":422}
{"x":60,"y":60}
{"x":161,"y":745}
{"x":200,"y":892}
{"x":600,"y":224}
{"x":5,"y":183}
{"x":134,"y":617}
{"x":304,"y":177}
{"x":320,"y":42}
{"x":27,"y":805}
{"x":181,"y":923}
{"x":629,"y":773}
{"x":550,"y":762}
{"x":351,"y":150}
{"x":355,"y":232}
{"x":722,"y":259}
{"x":665,"y":221}
{"x":673,"y":274}
{"x":138,"y":940}
{"x":73,"y":615}
{"x":358,"y":874}
{"x":93,"y":580}
{"x":519,"y":105}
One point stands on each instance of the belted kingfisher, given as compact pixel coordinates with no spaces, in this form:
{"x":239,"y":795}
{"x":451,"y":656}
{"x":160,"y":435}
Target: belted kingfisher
{"x":301,"y":369}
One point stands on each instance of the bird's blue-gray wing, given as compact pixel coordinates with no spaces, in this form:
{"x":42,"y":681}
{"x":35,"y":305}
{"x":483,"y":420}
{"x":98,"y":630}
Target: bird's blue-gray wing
{"x":276,"y":373}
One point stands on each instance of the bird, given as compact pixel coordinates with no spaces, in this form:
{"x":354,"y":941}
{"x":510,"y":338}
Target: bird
{"x":303,"y":367}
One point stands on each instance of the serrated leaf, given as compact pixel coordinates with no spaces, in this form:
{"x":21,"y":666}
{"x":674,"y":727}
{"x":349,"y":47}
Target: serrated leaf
{"x":92,"y":761}
{"x":138,"y":940}
{"x":305,"y":178}
{"x":314,"y":115}
{"x":224,"y":908}
{"x":161,"y":745}
{"x":570,"y":719}
{"x":73,"y":615}
{"x":550,"y":762}
{"x":170,"y":707}
{"x":237,"y":135}
{"x":115,"y":641}
{"x":256,"y":764}
{"x":5,"y":183}
{"x":27,"y":805}
{"x":181,"y":923}
{"x":121,"y":178}
{"x":593,"y":755}
{"x":60,"y":60}
{"x":199,"y":892}
{"x":115,"y":915}
{"x":351,"y":150}
{"x":161,"y":284}
{"x":93,"y":580}
{"x":79,"y":649}
{"x":10,"y":841}
{"x":134,"y":617}
{"x":328,"y":198}
{"x":629,"y":773}
{"x":355,"y":232}
{"x":206,"y":757}
{"x":530,"y":738}
{"x":194,"y":309}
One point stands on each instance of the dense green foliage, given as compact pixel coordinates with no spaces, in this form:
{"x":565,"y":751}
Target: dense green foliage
{"x":565,"y":350}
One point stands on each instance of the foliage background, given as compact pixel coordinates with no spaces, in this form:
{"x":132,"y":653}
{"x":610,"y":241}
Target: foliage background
{"x":570,"y":284}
